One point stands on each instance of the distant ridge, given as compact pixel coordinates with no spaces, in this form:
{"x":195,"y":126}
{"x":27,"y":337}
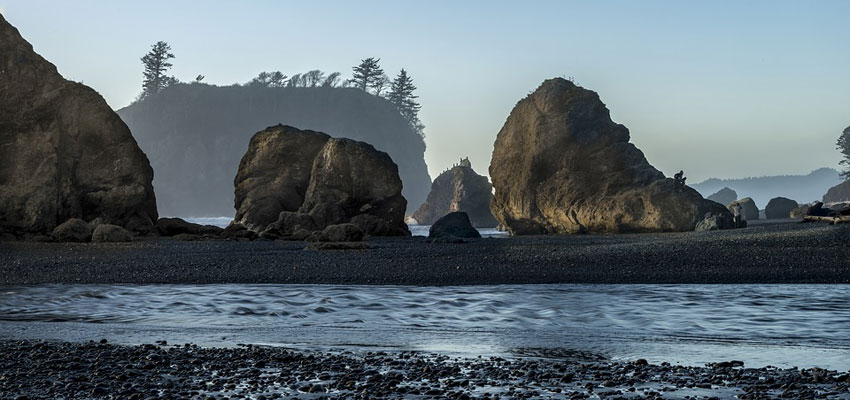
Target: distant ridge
{"x":802,"y":188}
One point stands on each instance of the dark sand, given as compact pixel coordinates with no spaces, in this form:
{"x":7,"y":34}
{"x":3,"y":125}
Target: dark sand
{"x":784,"y":252}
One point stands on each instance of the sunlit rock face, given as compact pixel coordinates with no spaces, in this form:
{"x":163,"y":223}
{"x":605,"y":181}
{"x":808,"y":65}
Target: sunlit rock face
{"x":459,"y":189}
{"x":292,"y":179}
{"x":63,"y":152}
{"x":561,"y":166}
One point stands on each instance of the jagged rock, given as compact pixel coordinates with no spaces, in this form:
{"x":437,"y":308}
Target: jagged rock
{"x":724,"y":196}
{"x":177,"y":226}
{"x":63,"y":152}
{"x":838,"y":193}
{"x":459,"y":189}
{"x":779,"y":207}
{"x":106,"y":233}
{"x":72,"y":230}
{"x":748,"y":208}
{"x":291,"y":179}
{"x":455,"y":224}
{"x":560,"y":165}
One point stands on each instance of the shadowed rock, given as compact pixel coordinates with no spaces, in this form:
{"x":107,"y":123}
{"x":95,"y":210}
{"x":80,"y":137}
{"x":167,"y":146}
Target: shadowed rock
{"x":72,"y":230}
{"x":838,"y":193}
{"x":106,"y":233}
{"x":748,"y":208}
{"x":454,"y":224}
{"x":63,"y":152}
{"x":779,"y":207}
{"x":560,"y":166}
{"x":724,"y":196}
{"x":459,"y":189}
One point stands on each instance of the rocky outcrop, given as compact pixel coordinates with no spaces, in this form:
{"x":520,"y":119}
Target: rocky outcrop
{"x":748,"y":208}
{"x":838,"y":193}
{"x":560,"y":165}
{"x":779,"y":207}
{"x":724,"y":196}
{"x":459,"y":189}
{"x":106,"y":233}
{"x":455,"y":224}
{"x":63,"y":152}
{"x":292,"y":180}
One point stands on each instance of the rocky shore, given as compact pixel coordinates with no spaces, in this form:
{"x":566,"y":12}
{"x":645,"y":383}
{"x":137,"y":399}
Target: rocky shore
{"x":783,"y":252}
{"x":38,"y":369}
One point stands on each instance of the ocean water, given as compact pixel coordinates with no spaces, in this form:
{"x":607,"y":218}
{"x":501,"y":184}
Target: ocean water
{"x":779,"y":325}
{"x":415,"y":230}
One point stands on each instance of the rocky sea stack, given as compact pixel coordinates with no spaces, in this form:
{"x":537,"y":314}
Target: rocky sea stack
{"x":459,"y":189}
{"x":293,"y":182}
{"x":63,"y":152}
{"x":724,"y":196}
{"x":560,"y":166}
{"x":838,"y":193}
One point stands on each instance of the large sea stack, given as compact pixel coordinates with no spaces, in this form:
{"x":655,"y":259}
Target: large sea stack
{"x":63,"y":152}
{"x":459,"y":189}
{"x":561,"y":166}
{"x":293,"y":180}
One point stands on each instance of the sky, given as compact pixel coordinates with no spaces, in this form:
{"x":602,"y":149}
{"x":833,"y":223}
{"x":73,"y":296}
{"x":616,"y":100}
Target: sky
{"x":717,"y":88}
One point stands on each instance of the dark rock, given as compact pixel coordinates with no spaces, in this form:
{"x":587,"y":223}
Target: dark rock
{"x":338,"y":246}
{"x":63,"y":152}
{"x":713,"y":222}
{"x":724,"y":196}
{"x":343,"y":233}
{"x":291,"y":179}
{"x":459,"y":189}
{"x":187,"y":237}
{"x":560,"y":165}
{"x":237,"y":231}
{"x":106,"y":233}
{"x":748,"y":208}
{"x":818,"y":210}
{"x":72,"y":230}
{"x":454,"y":224}
{"x":838,"y":193}
{"x":176,"y":226}
{"x":779,"y":207}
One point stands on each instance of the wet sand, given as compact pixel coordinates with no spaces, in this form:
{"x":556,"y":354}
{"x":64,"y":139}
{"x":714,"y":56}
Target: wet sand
{"x":783,"y":252}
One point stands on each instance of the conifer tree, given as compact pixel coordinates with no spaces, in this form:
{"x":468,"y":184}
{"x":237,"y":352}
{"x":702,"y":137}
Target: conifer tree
{"x":401,"y":94}
{"x":844,"y":146}
{"x":366,"y":73}
{"x":156,"y":65}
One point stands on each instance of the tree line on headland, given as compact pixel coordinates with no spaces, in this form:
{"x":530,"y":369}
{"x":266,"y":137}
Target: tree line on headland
{"x":367,"y":76}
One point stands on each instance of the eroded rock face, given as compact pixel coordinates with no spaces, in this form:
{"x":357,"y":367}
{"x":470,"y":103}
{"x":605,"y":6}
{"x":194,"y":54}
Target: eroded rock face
{"x":724,"y":196}
{"x":560,"y":166}
{"x":63,"y":152}
{"x":292,"y":180}
{"x":459,"y":189}
{"x":779,"y":207}
{"x":748,"y":208}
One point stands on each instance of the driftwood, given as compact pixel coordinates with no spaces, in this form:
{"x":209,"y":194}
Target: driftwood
{"x":831,"y":220}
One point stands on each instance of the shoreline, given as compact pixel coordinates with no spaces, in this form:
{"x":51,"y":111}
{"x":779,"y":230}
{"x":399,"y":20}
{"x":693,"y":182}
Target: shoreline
{"x":781,"y":252}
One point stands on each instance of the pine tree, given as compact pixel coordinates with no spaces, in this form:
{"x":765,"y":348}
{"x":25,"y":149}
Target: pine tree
{"x":366,"y":73}
{"x":401,"y":94}
{"x":156,"y":65}
{"x":379,"y":84}
{"x":844,"y":147}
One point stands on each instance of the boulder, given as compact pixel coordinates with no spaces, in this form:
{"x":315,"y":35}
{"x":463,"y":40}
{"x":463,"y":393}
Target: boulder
{"x":561,"y":166}
{"x":177,"y":226}
{"x":724,"y":196}
{"x":748,"y":208}
{"x":455,"y":224}
{"x":459,"y":189}
{"x":713,"y":222}
{"x":838,"y":193}
{"x":72,"y":230}
{"x":342,"y":233}
{"x":63,"y":152}
{"x":801,"y":211}
{"x":292,"y":179}
{"x":779,"y":207}
{"x":106,"y":233}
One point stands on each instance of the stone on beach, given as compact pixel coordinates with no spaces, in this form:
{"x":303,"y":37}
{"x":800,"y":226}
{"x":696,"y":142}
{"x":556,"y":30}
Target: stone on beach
{"x":454,"y":224}
{"x":72,"y":230}
{"x":779,"y":207}
{"x":560,"y":166}
{"x":106,"y":233}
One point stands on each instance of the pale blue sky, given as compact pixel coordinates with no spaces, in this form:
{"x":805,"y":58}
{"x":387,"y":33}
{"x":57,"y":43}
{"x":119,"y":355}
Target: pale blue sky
{"x":719,"y":88}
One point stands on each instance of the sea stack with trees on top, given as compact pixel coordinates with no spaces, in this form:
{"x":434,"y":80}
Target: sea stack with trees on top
{"x":459,"y":189}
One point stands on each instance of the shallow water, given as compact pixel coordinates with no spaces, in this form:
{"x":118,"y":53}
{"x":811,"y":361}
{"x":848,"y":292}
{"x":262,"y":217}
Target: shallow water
{"x":780,"y":325}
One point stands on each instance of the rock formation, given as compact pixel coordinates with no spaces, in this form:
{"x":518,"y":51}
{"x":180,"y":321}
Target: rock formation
{"x":724,"y":196}
{"x":748,"y":208}
{"x":459,"y":189}
{"x":455,"y":224}
{"x":779,"y":207}
{"x":195,"y":135}
{"x":838,"y":193}
{"x":292,"y":180}
{"x":560,"y":165}
{"x":63,"y":152}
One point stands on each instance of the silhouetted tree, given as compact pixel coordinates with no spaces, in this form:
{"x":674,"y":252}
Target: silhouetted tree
{"x":262,"y":79}
{"x":313,"y":78}
{"x":269,"y":79}
{"x":156,"y":65}
{"x":844,"y":147}
{"x":294,"y":81}
{"x":379,"y":84}
{"x":277,"y":79}
{"x":366,"y":73}
{"x":199,"y":78}
{"x":401,"y":94}
{"x":332,"y":80}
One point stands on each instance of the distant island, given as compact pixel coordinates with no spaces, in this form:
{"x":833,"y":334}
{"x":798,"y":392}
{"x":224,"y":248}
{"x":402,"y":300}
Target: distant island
{"x":802,"y":188}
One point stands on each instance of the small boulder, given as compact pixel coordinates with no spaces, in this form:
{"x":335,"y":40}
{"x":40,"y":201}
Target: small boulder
{"x":237,"y":232}
{"x":779,"y":207}
{"x":454,"y":224}
{"x":106,"y":233}
{"x":713,"y":222}
{"x":72,"y":230}
{"x":343,"y":233}
{"x":748,"y":208}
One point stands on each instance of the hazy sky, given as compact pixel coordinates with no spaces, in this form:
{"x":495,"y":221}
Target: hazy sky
{"x":717,"y":88}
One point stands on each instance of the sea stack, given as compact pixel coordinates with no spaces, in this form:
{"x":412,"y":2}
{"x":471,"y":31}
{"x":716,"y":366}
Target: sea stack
{"x":459,"y":189}
{"x":293,"y":180}
{"x":63,"y":152}
{"x":561,"y":166}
